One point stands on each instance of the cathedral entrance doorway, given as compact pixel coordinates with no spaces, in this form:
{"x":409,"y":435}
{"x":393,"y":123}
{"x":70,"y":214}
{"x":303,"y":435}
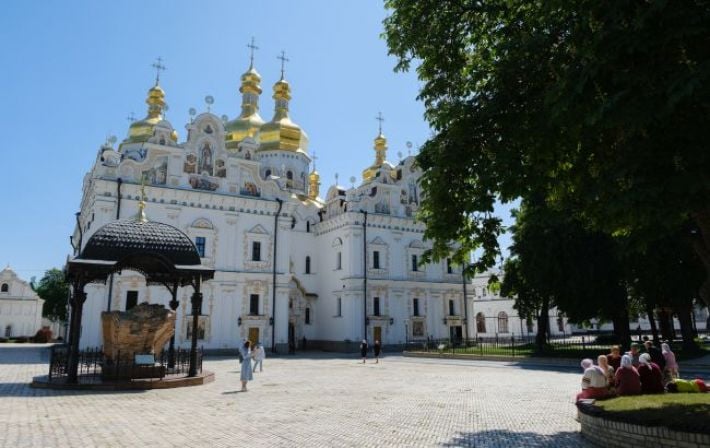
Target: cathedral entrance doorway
{"x":456,"y":333}
{"x":291,"y":338}
{"x":377,"y":334}
{"x":253,"y":335}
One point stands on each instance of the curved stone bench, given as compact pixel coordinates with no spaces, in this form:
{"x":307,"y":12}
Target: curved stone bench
{"x":605,"y":432}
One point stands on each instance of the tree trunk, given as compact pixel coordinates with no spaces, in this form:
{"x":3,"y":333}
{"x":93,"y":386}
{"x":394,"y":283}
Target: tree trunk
{"x":543,"y":326}
{"x":652,"y":321}
{"x":686,"y":327}
{"x":666,"y":324}
{"x":701,"y":245}
{"x":621,"y":320}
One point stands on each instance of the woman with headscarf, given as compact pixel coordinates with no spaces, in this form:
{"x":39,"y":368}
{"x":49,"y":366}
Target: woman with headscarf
{"x":608,"y":370}
{"x":246,"y":372}
{"x":671,"y":370}
{"x":627,"y":378}
{"x":594,"y":384}
{"x":650,"y":375}
{"x":363,"y":350}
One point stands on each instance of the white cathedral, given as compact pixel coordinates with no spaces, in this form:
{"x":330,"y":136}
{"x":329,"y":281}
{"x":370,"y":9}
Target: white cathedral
{"x":244,"y":191}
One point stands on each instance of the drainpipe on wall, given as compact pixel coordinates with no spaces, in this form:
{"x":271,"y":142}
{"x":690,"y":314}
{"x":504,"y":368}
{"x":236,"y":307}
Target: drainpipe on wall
{"x":273,"y":280}
{"x":364,"y":275}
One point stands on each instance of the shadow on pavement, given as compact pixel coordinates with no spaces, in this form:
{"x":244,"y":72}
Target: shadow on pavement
{"x":24,"y":353}
{"x":495,"y":438}
{"x":24,"y":390}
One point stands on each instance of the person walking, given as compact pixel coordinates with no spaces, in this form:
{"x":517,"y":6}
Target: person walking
{"x":258,"y":354}
{"x":671,"y":371}
{"x":363,"y":350}
{"x":377,"y":348}
{"x":246,"y":372}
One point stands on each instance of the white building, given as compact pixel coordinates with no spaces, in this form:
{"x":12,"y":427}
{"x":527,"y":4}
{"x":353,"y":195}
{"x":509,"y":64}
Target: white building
{"x":226,"y":185}
{"x":20,"y":306}
{"x":494,"y":315}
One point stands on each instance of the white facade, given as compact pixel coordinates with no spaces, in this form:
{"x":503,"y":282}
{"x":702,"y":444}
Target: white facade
{"x":494,"y":316}
{"x":501,"y":319}
{"x":20,"y":306}
{"x":221,"y":187}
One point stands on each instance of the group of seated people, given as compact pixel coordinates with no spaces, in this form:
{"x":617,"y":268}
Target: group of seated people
{"x":634,"y":373}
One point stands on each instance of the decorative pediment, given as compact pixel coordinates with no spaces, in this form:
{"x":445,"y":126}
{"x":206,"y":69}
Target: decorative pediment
{"x":202,"y":223}
{"x":416,"y":244}
{"x":378,"y":242}
{"x":337,"y":242}
{"x":258,"y":230}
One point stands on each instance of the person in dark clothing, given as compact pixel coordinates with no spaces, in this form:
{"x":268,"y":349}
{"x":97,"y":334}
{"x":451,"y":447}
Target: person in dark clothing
{"x":363,"y":350}
{"x":650,"y":375}
{"x":656,"y":355}
{"x":377,"y":350}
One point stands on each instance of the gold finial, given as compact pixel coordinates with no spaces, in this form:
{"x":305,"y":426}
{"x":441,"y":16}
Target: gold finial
{"x":314,"y":180}
{"x":141,"y":216}
{"x":251,"y":47}
{"x":158,"y":66}
{"x":284,"y":60}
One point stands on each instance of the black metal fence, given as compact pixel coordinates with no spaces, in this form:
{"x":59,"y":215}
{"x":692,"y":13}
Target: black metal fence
{"x":94,"y":366}
{"x":512,"y":345}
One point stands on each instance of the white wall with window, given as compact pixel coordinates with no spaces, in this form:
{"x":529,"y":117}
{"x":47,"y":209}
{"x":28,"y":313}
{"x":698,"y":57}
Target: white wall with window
{"x":20,"y":307}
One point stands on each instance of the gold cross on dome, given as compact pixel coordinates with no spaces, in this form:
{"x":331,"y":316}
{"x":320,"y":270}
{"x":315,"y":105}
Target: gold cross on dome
{"x":380,"y":119}
{"x":252,"y":47}
{"x":284,"y":60}
{"x":131,"y":118}
{"x":158,"y":66}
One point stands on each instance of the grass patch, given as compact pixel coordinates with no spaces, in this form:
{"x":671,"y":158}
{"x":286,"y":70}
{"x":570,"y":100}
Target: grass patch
{"x":681,"y":412}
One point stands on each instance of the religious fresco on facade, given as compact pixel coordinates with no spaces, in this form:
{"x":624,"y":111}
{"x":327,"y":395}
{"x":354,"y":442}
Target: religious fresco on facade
{"x":205,"y":165}
{"x":158,"y":174}
{"x":203,"y":183}
{"x":190,"y":164}
{"x":250,"y":189}
{"x":201,"y":328}
{"x":135,"y":154}
{"x":220,"y":169}
{"x":383,"y":206}
{"x":418,"y":329}
{"x":413,"y":196}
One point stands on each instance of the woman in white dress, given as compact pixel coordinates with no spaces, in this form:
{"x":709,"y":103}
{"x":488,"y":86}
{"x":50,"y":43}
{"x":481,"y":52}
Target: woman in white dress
{"x":246,"y":373}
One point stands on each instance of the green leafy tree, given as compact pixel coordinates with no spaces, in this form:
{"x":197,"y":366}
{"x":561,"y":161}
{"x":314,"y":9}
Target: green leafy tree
{"x":54,"y":289}
{"x":600,"y":105}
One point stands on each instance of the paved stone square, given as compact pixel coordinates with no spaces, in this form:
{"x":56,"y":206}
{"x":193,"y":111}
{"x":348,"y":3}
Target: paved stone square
{"x":310,"y":400}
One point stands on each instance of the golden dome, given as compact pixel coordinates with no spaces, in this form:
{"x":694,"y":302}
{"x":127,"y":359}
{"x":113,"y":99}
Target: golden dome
{"x":281,"y":133}
{"x":249,"y":121}
{"x":142,"y":130}
{"x":380,"y":153}
{"x":313,"y":184}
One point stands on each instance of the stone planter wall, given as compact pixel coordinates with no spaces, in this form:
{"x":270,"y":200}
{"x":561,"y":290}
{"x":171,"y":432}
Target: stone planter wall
{"x":608,"y":433}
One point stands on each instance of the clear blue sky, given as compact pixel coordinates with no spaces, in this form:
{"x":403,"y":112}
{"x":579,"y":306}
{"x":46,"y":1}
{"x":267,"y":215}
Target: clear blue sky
{"x":72,"y":71}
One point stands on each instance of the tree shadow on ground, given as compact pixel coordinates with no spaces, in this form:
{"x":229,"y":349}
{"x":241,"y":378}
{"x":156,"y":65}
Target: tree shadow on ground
{"x":24,"y":354}
{"x":504,"y":438}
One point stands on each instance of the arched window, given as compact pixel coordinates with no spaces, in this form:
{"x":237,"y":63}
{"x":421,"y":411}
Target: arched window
{"x":267,"y":173}
{"x":289,"y":175}
{"x":480,"y":323}
{"x":502,"y":322}
{"x":308,"y":265}
{"x":5,"y":287}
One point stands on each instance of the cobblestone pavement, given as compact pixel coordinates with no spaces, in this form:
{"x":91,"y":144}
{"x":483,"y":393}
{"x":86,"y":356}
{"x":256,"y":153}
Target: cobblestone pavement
{"x":314,"y":401}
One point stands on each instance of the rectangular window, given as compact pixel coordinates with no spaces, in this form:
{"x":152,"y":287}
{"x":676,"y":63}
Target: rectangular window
{"x":254,"y":304}
{"x":415,"y":307}
{"x":415,"y":263}
{"x":376,"y":306}
{"x":308,"y":265}
{"x":451,"y":308}
{"x":256,"y":251}
{"x":449,"y":269}
{"x":200,"y":242}
{"x":339,"y":307}
{"x":131,"y":299}
{"x":308,"y":315}
{"x":339,"y":260}
{"x":376,"y":259}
